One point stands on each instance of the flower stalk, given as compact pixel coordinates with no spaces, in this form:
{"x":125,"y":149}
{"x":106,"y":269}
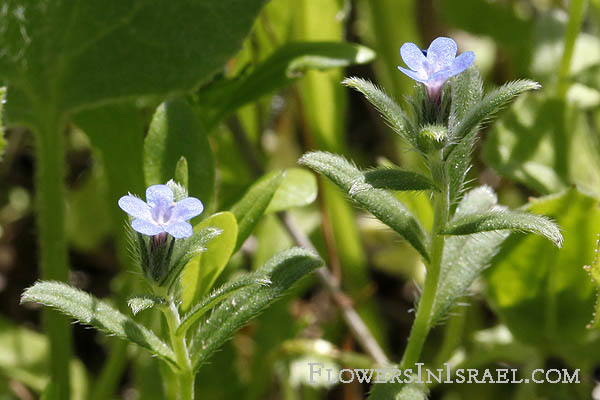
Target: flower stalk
{"x":185,"y":372}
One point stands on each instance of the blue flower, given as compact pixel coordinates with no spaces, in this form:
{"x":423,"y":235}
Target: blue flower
{"x":434,"y":66}
{"x":160,"y":213}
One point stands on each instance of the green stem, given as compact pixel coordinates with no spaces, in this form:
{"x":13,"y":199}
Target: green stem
{"x":576,"y":12}
{"x":185,"y":372}
{"x":50,"y":197}
{"x":421,"y":326}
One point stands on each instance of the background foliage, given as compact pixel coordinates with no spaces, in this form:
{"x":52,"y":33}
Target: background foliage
{"x":249,"y":88}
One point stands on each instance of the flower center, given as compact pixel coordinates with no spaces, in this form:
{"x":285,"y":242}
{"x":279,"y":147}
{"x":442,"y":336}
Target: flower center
{"x":162,"y":212}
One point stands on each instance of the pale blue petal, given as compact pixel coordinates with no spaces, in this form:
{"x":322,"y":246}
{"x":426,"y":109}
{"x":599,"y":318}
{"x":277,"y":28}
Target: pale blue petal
{"x":441,"y":52}
{"x":462,"y":62}
{"x":159,"y":194}
{"x":440,"y":77}
{"x":180,"y":230}
{"x":187,"y":208}
{"x":145,"y":227}
{"x":135,"y":207}
{"x":413,"y":56}
{"x":412,"y":74}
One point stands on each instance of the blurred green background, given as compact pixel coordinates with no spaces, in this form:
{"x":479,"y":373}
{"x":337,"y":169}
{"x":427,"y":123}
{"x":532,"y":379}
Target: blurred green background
{"x":531,"y":310}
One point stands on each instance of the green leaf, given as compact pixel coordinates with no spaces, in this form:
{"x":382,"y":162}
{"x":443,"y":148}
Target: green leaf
{"x":465,"y":257}
{"x":389,"y":109}
{"x":466,"y":92}
{"x":58,"y":56}
{"x":382,"y":204}
{"x":219,"y":295}
{"x":398,"y":391}
{"x":89,"y":310}
{"x":253,"y":205}
{"x":543,"y":294}
{"x":187,"y":249}
{"x":141,"y":303}
{"x":200,"y":274}
{"x":298,"y":188}
{"x":286,"y":65}
{"x":496,"y":220}
{"x":397,"y":179}
{"x":490,"y":105}
{"x":283,"y":270}
{"x":176,"y":132}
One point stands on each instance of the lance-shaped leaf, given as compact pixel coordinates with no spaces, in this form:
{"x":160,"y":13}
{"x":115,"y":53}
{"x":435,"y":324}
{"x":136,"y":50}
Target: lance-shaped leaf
{"x":382,"y":204}
{"x":286,"y":65}
{"x":90,"y":310}
{"x":465,"y":257}
{"x":144,"y":302}
{"x":467,"y":90}
{"x":397,"y":179}
{"x":495,"y":220}
{"x":490,"y":105}
{"x":252,"y":206}
{"x":218,"y":295}
{"x":389,"y":109}
{"x":283,"y":270}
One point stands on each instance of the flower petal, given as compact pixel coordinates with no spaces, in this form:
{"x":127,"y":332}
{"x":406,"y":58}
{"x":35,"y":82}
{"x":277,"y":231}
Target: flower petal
{"x":413,"y":56}
{"x":187,"y":208}
{"x":412,"y":74}
{"x":159,"y":194}
{"x":145,"y":227}
{"x":135,"y":207}
{"x":180,"y":230}
{"x":462,"y":62}
{"x":441,"y":52}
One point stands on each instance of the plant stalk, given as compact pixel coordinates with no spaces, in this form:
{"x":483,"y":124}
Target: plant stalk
{"x":421,"y":325}
{"x":185,"y":372}
{"x":50,"y":196}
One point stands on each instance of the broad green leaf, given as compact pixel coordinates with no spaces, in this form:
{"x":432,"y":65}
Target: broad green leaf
{"x":218,"y":296}
{"x":89,"y":310}
{"x":496,"y":220}
{"x":382,"y":204}
{"x":286,"y":65}
{"x":176,"y":132}
{"x":2,"y":139}
{"x":58,"y":56}
{"x":252,"y":206}
{"x":200,"y":274}
{"x":144,"y":302}
{"x":283,"y":270}
{"x":465,"y":257}
{"x":189,"y":248}
{"x":489,"y":106}
{"x":298,"y":188}
{"x":543,"y":294}
{"x":396,"y":179}
{"x":389,"y":109}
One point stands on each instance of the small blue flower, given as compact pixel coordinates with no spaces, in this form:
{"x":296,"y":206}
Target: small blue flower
{"x":160,"y":213}
{"x":434,"y":66}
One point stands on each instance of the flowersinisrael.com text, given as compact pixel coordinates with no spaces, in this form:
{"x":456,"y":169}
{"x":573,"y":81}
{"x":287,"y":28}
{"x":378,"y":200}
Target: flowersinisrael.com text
{"x":419,"y":374}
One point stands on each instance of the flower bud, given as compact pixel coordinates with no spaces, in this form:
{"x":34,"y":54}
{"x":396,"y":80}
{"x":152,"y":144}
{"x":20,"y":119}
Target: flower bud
{"x":432,"y":137}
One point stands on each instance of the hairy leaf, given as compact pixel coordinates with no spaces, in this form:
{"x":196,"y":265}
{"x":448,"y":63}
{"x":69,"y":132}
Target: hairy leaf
{"x":382,"y":204}
{"x":200,"y":274}
{"x":467,"y":90}
{"x":89,"y":310}
{"x":176,"y":132}
{"x":219,"y":295}
{"x":143,"y":302}
{"x":495,"y":220}
{"x":252,"y":206}
{"x":283,"y":270}
{"x":397,"y":179}
{"x":490,"y":105}
{"x":466,"y":256}
{"x":389,"y":109}
{"x":287,"y":64}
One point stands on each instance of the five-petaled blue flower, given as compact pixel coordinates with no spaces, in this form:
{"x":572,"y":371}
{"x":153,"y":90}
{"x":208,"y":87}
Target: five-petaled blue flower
{"x":160,"y":213}
{"x":434,"y":66}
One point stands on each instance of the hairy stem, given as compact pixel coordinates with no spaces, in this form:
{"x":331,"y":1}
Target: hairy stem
{"x":185,"y":372}
{"x":50,"y":199}
{"x":422,"y":324}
